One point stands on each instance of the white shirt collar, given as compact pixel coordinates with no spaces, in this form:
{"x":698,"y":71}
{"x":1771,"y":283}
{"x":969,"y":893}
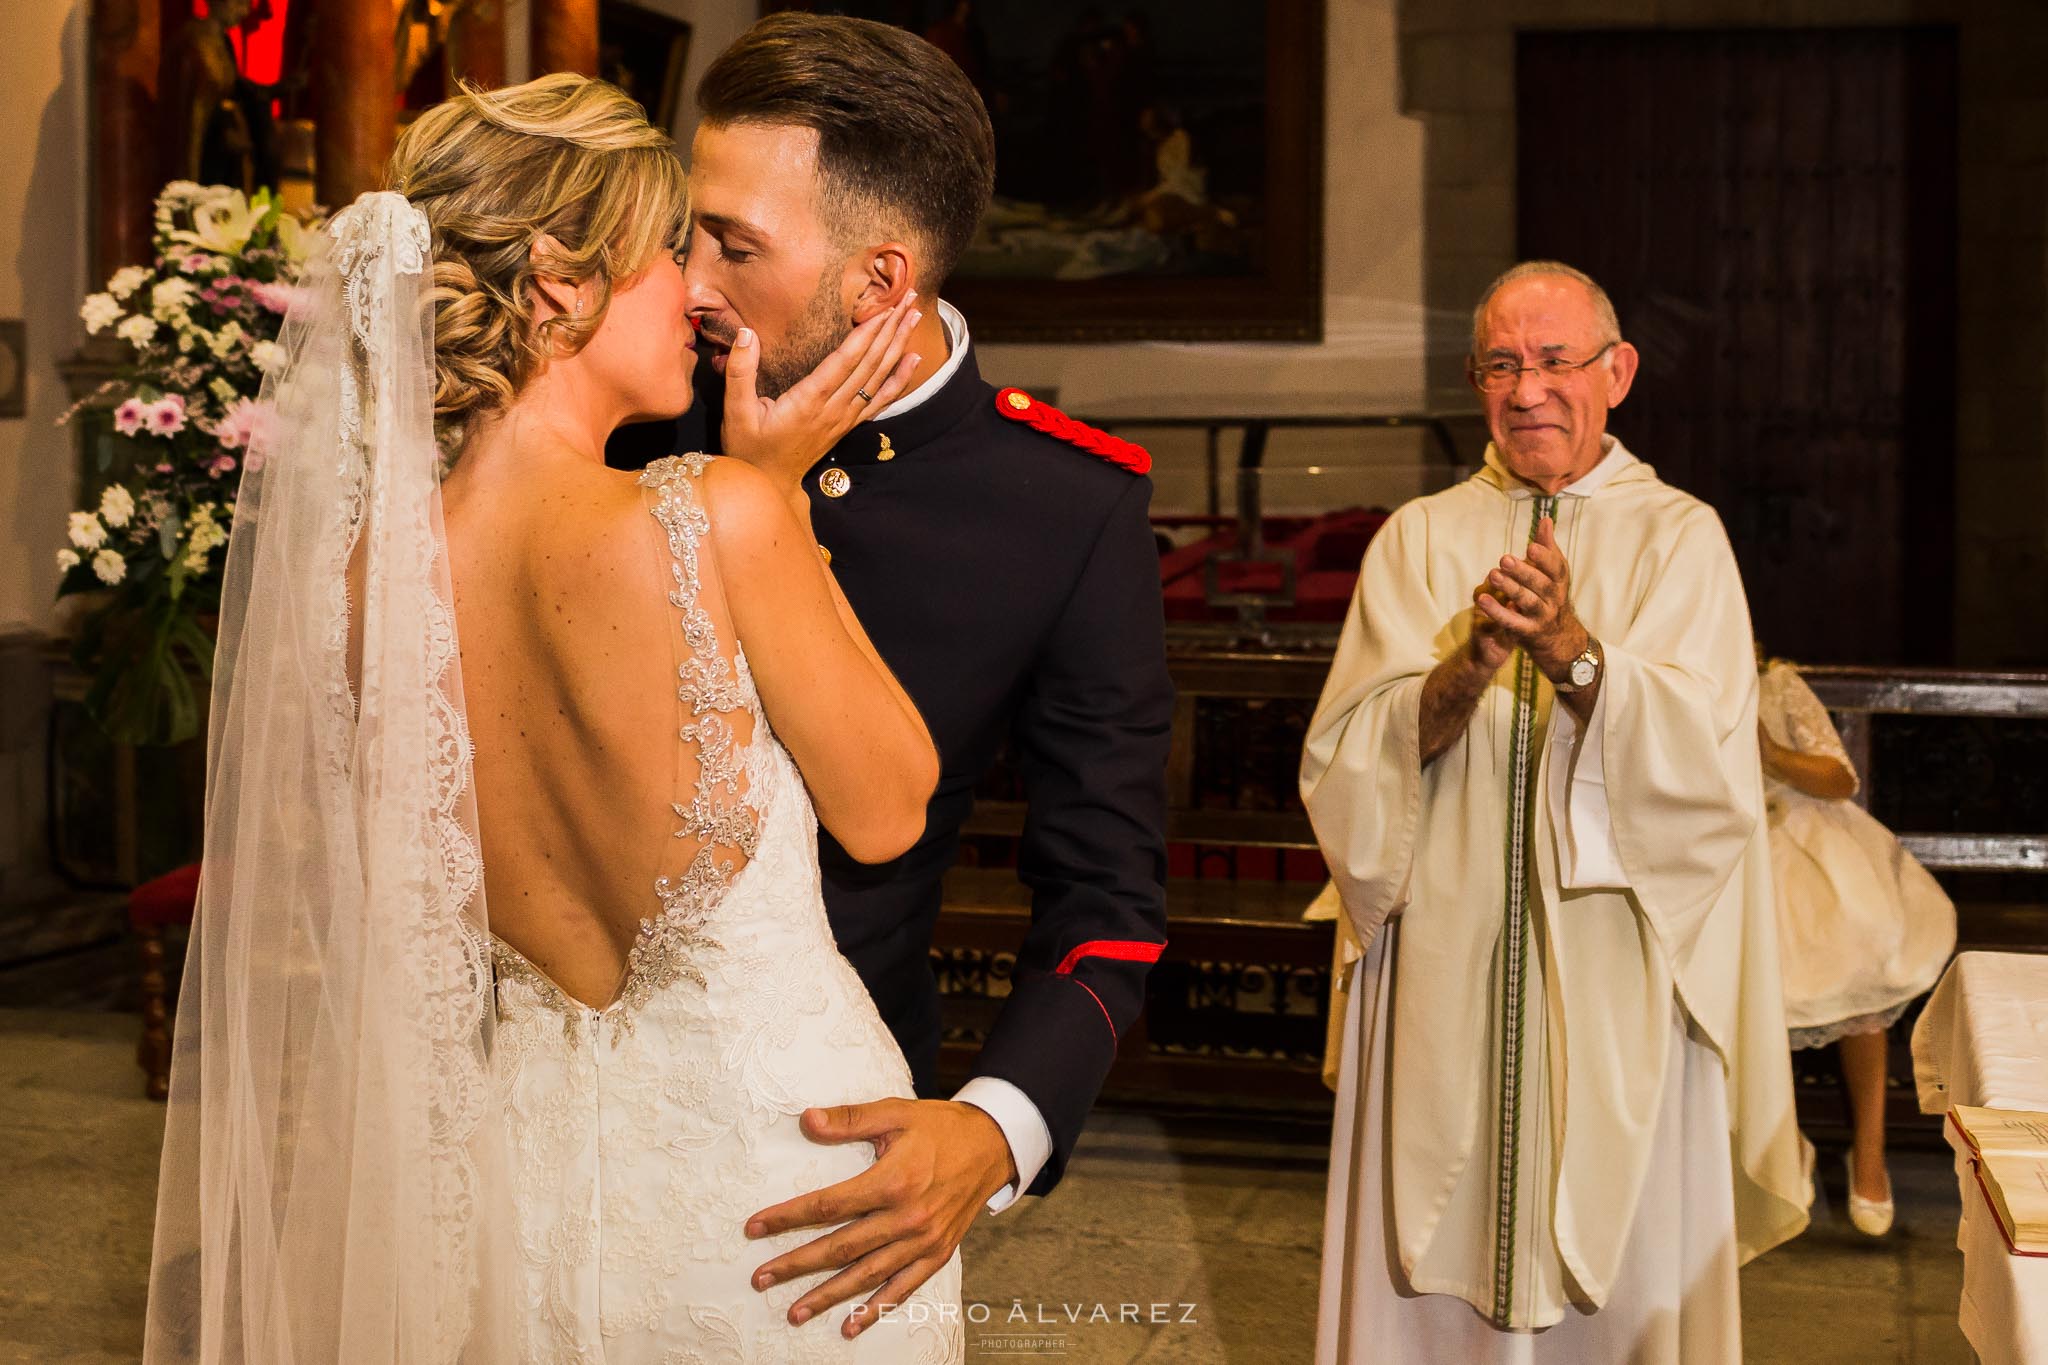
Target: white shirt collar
{"x":1592,"y":481}
{"x":956,"y":353}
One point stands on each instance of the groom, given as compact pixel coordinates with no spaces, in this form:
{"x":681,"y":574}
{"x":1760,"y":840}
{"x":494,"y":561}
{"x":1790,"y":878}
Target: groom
{"x":1001,"y":559}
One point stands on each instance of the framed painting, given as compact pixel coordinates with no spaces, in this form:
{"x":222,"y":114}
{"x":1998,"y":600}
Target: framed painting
{"x":1159,"y":165}
{"x":644,"y":53}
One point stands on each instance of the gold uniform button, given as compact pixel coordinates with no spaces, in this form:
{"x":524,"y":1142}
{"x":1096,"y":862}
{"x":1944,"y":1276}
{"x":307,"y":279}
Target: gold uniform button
{"x":835,"y":482}
{"x":886,"y":453}
{"x":1020,"y":401}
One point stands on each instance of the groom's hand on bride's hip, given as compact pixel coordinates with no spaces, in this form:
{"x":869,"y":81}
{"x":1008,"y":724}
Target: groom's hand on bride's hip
{"x":937,"y":1164}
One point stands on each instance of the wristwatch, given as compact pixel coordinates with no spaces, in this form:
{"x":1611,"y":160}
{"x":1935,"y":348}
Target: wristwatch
{"x":1583,"y":670}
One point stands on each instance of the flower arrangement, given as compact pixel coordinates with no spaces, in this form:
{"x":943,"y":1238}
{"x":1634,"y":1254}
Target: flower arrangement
{"x":201,"y":321}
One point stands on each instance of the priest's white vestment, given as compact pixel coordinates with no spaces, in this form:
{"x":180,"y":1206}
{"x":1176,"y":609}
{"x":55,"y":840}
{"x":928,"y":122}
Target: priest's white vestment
{"x":1565,"y":1100}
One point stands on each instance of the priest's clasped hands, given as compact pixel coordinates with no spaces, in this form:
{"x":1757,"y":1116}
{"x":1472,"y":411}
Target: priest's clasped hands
{"x":1527,"y":603}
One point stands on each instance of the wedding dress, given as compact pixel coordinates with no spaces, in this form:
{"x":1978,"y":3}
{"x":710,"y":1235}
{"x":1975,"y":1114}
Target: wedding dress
{"x":390,"y":1139}
{"x":644,"y":1134}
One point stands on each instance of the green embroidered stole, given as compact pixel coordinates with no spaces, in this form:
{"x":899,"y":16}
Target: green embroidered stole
{"x":1516,"y":942}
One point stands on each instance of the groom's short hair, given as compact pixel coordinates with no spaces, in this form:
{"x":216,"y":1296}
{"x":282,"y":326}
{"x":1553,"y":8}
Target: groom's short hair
{"x":903,"y":139}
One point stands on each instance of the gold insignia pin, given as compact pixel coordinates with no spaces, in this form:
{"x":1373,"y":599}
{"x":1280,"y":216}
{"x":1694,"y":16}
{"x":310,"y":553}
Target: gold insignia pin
{"x":1020,"y":401}
{"x":887,"y":452}
{"x":835,"y":482}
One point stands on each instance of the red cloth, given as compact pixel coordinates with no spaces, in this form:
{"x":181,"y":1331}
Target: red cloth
{"x":1327,"y":551}
{"x":166,"y":900}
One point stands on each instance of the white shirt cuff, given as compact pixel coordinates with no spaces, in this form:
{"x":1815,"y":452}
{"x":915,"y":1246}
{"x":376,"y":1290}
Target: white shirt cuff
{"x":1023,"y":1128}
{"x":1587,"y":858}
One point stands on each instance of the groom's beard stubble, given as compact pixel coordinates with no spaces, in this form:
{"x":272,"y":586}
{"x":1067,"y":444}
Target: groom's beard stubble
{"x":811,"y":339}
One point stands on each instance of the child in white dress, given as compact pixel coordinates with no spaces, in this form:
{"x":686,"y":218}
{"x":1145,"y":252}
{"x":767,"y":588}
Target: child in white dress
{"x":1863,"y":929}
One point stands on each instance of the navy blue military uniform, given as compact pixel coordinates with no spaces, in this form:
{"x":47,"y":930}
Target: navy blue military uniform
{"x":1011,"y":581}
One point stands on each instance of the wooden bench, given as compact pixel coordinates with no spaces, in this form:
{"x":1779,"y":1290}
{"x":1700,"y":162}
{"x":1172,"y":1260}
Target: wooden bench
{"x":1237,"y":1006}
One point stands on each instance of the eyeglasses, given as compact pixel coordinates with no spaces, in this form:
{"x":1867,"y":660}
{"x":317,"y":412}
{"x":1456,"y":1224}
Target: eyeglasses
{"x":1498,"y":376}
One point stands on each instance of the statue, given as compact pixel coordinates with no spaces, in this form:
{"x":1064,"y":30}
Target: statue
{"x":220,"y":118}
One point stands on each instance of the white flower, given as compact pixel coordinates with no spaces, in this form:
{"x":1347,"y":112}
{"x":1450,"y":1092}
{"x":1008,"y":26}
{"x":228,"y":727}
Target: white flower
{"x":221,"y":224}
{"x":117,"y":505}
{"x":224,"y":342}
{"x":99,"y":310}
{"x":179,"y":193}
{"x":67,"y":560}
{"x":109,"y":566}
{"x":267,"y":356}
{"x":170,"y":299}
{"x":127,"y":280}
{"x":137,"y":330}
{"x":86,"y":532}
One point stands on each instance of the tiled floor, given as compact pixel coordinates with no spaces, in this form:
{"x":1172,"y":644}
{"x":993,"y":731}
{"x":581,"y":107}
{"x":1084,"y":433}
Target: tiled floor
{"x":1213,"y":1228}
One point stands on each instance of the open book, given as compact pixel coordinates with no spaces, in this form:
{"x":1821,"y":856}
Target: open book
{"x":2009,"y":1149}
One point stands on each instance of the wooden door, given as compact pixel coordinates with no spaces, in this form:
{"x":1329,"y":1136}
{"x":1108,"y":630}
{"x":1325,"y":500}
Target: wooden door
{"x":1774,"y":214}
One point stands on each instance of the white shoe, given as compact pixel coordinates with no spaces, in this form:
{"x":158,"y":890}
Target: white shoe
{"x":1872,"y":1217}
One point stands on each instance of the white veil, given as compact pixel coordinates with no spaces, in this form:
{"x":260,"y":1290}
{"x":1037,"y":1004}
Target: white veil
{"x":332,"y":1185}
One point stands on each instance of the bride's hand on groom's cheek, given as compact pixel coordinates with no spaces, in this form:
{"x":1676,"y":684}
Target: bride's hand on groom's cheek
{"x":937,"y":1163}
{"x":783,"y":437}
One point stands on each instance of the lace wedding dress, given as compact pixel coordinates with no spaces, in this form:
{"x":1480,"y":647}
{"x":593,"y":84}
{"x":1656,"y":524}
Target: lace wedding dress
{"x":644,"y":1134}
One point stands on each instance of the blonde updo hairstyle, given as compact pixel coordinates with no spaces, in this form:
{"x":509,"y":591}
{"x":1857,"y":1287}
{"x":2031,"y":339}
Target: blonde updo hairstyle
{"x":564,"y":157}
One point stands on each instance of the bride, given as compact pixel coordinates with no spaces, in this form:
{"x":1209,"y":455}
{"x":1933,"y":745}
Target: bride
{"x":461,"y":661}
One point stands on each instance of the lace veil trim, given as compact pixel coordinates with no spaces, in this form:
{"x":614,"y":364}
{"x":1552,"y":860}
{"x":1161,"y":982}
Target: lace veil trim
{"x":333,"y":1184}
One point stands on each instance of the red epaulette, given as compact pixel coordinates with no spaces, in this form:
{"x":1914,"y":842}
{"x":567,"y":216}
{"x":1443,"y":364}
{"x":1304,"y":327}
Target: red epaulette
{"x":1020,"y":406}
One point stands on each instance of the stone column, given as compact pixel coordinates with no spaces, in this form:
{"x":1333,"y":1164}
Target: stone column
{"x":476,"y":43}
{"x":355,"y":96}
{"x":127,"y":38}
{"x":565,"y":36}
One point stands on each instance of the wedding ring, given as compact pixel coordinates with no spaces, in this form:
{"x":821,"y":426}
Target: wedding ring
{"x":865,"y":396}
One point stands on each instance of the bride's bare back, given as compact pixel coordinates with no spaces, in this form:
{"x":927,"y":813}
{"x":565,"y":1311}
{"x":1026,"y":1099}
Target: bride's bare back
{"x":571,"y":611}
{"x":569,"y":678}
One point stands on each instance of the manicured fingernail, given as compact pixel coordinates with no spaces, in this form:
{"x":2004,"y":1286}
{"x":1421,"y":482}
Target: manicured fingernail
{"x":745,"y":338}
{"x":911,"y":297}
{"x":916,"y":317}
{"x":757,"y":1228}
{"x":915,"y":360}
{"x":764,"y":1281}
{"x":799,"y":1316}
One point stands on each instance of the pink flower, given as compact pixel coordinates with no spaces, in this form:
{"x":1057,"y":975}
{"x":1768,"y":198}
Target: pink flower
{"x":166,"y":416}
{"x":247,"y":422}
{"x":129,"y":417}
{"x":278,"y":298}
{"x":221,"y":464}
{"x":163,"y":469}
{"x":252,"y":462}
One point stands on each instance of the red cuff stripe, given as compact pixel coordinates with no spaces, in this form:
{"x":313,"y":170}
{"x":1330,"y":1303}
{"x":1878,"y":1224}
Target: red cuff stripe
{"x":1123,"y":950}
{"x":1099,"y":1005}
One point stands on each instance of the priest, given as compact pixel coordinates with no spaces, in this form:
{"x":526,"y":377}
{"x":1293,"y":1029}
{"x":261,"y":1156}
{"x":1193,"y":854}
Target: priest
{"x":1564,"y":1111}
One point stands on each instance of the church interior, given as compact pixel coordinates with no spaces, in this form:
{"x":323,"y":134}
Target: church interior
{"x":1248,"y":237}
